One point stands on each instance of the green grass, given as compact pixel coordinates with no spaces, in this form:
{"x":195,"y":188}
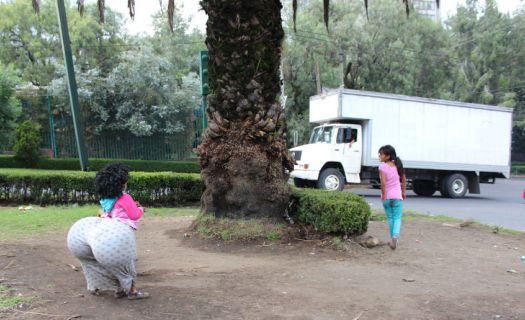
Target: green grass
{"x":165,"y":212}
{"x":379,"y":215}
{"x":7,"y":301}
{"x":15,"y":223}
{"x":208,"y":227}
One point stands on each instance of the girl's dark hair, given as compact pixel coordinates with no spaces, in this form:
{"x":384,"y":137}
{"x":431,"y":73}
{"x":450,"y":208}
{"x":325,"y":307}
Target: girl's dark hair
{"x":109,"y":182}
{"x":389,"y":151}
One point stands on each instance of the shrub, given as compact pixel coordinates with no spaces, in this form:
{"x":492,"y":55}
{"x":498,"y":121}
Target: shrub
{"x":27,"y":144}
{"x":97,"y":164}
{"x":331,"y":212}
{"x":63,"y":187}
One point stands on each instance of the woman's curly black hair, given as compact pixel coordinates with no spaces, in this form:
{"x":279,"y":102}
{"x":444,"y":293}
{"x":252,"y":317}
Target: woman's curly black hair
{"x":109,"y":182}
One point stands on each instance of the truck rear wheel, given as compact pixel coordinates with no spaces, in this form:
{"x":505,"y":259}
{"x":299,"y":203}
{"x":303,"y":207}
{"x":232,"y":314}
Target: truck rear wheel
{"x":331,"y":179}
{"x":443,"y":187}
{"x":455,"y":186}
{"x":424,"y":188}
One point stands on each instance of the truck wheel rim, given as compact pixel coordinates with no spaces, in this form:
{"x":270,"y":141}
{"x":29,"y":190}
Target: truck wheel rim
{"x":458,"y":186}
{"x":331,"y":182}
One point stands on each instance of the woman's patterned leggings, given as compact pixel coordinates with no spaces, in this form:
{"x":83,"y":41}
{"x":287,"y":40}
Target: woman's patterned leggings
{"x":106,"y":249}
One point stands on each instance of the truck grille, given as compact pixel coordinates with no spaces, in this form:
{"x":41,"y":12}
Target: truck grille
{"x":296,"y":155}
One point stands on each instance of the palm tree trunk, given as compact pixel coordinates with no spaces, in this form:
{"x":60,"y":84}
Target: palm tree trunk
{"x":243,"y":154}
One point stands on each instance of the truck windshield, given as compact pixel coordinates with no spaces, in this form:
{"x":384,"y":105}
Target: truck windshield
{"x":321,"y":134}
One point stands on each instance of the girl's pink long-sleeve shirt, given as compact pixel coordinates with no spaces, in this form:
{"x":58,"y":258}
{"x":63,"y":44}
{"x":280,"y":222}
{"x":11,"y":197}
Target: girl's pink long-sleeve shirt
{"x":392,"y":183}
{"x":126,"y":211}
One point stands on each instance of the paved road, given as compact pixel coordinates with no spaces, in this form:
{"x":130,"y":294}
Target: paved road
{"x":498,"y":204}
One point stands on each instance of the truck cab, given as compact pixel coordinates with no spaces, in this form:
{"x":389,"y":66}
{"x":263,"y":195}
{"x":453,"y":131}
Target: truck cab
{"x":331,"y":159}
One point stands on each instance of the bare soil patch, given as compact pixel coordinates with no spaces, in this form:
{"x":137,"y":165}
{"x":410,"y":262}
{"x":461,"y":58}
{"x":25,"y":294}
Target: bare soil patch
{"x":438,"y":272}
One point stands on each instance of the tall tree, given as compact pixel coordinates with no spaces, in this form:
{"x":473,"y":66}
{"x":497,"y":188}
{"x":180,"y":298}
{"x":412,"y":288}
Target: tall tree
{"x":9,"y":106}
{"x":482,"y":39}
{"x":243,"y":154}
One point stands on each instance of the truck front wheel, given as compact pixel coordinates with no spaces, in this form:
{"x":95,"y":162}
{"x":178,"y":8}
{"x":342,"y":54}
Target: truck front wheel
{"x":455,"y":185}
{"x":331,"y":179}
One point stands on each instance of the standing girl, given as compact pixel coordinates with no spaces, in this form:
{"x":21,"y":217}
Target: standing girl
{"x":393,"y":190}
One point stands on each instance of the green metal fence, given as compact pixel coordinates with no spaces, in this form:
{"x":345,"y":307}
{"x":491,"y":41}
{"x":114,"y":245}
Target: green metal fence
{"x":58,"y":137}
{"x":121,"y":146}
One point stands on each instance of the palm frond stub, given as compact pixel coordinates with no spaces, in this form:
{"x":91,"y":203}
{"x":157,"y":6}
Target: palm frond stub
{"x":36,"y":6}
{"x":101,"y":5}
{"x":80,"y":6}
{"x":171,"y":10}
{"x":326,"y":9}
{"x":294,"y":7}
{"x":131,"y":7}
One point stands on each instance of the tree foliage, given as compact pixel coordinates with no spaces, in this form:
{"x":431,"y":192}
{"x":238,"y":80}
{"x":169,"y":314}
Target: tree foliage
{"x":478,"y":55}
{"x":9,"y":106}
{"x":32,"y":43}
{"x":139,"y":86}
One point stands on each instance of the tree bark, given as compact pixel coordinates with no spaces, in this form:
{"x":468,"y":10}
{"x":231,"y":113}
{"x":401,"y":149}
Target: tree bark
{"x":243,"y":154}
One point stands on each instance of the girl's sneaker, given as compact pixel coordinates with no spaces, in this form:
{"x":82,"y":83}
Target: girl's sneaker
{"x":393,"y":243}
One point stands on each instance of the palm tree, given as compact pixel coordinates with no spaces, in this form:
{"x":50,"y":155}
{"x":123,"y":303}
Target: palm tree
{"x":243,"y":154}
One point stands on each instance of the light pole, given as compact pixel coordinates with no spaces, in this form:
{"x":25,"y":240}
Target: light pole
{"x":72,"y":85}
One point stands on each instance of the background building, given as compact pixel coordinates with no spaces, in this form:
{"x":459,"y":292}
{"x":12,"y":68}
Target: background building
{"x":427,"y":8}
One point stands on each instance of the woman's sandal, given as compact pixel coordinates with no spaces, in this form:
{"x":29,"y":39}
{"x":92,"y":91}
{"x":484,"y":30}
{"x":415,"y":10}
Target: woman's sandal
{"x":138,"y":295}
{"x":95,"y":292}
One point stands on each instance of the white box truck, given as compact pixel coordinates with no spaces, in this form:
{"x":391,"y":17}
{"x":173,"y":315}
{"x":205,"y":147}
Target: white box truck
{"x":445,"y":146}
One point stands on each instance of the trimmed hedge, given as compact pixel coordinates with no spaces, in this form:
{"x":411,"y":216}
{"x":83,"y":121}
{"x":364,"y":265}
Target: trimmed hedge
{"x":331,"y":212}
{"x":97,"y":164}
{"x":66,"y":187}
{"x":518,"y":169}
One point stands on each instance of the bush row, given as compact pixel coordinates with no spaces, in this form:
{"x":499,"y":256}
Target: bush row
{"x":331,"y":212}
{"x":97,"y":164}
{"x":65,"y":187}
{"x":518,"y":169}
{"x":328,"y":212}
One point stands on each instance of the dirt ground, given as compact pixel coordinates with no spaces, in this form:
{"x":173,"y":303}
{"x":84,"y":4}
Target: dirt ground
{"x":438,"y":272}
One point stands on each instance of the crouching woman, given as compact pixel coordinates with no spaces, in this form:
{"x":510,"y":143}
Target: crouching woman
{"x":105,"y":246}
